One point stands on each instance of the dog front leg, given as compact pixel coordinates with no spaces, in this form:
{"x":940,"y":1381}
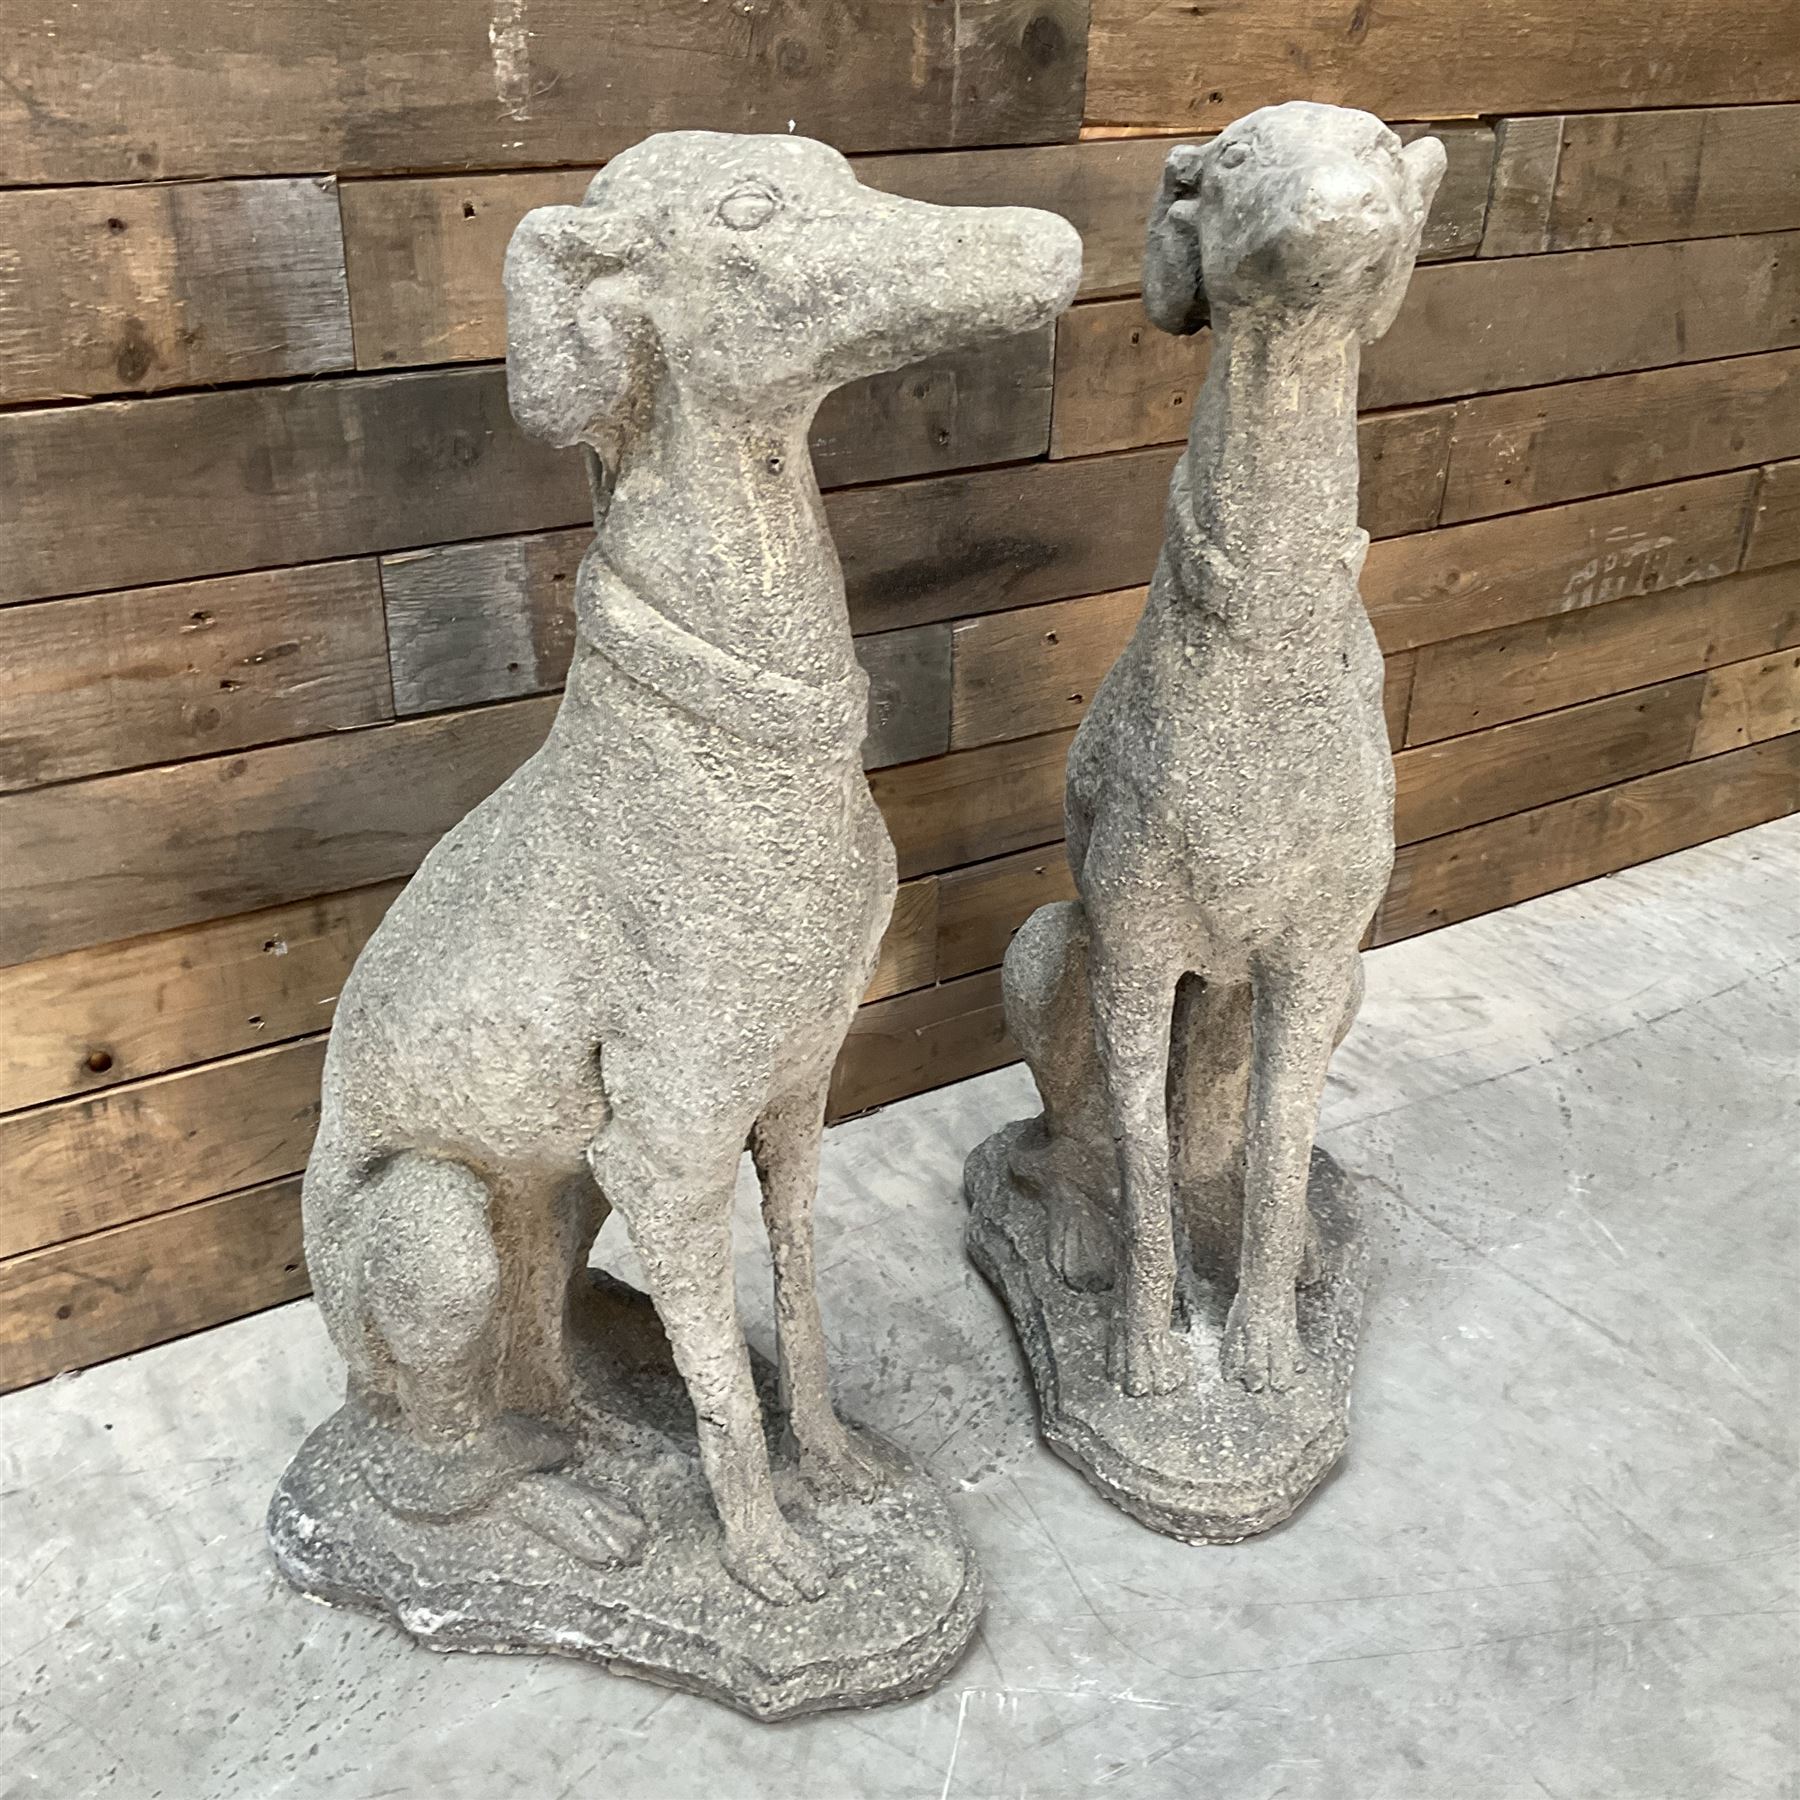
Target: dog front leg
{"x":1133,"y":1003}
{"x":1297,"y":1010}
{"x":785,"y":1148}
{"x":676,"y":1203}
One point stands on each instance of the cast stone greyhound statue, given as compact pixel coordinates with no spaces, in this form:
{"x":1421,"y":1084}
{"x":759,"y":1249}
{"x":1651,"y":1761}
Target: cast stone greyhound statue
{"x":1230,"y":793}
{"x":639,"y":955}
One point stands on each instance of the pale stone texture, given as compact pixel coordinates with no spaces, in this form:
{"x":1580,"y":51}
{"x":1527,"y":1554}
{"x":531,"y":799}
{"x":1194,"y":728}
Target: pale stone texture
{"x":643,"y":951}
{"x":1230,"y":829}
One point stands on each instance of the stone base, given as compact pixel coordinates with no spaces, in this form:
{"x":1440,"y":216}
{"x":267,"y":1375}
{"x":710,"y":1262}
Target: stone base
{"x":1210,"y":1463}
{"x":904,"y":1604}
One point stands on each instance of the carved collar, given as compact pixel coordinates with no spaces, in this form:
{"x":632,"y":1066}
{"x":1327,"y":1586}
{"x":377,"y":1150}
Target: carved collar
{"x":691,"y":675}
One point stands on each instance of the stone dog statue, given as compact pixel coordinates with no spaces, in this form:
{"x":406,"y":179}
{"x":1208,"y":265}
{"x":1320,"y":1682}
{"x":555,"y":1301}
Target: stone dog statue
{"x":1230,"y":829}
{"x":640,"y":954}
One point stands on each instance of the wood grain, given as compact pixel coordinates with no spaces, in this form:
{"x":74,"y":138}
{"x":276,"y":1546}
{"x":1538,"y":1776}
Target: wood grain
{"x":113,"y":681}
{"x":1748,"y":702}
{"x":957,"y":545}
{"x":1440,"y":880}
{"x":385,"y":462}
{"x":125,"y":493}
{"x":909,"y":946}
{"x":1544,"y":664}
{"x":1035,"y":669}
{"x":81,"y":1303}
{"x":107,"y":290}
{"x":920,"y":1040}
{"x":1463,"y":781}
{"x":1170,"y":64}
{"x":1478,"y":577}
{"x":110,"y":95}
{"x":973,"y":804}
{"x":1775,"y":524}
{"x":1544,"y":445}
{"x":126,"y":854}
{"x":980,"y":907}
{"x":909,"y":694}
{"x":1526,"y":152}
{"x":118,"y":1012}
{"x":1526,"y":321}
{"x":1642,"y":177}
{"x":82,"y":1165}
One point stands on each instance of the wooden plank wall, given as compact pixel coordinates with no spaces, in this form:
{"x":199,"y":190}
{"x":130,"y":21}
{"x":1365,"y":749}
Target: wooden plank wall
{"x":283,"y":592}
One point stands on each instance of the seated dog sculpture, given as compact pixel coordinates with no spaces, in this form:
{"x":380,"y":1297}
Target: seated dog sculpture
{"x":644,"y":950}
{"x":1229,"y":811}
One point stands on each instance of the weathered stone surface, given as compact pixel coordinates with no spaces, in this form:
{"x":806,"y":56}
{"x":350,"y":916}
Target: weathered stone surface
{"x":641,"y":953}
{"x":1230,"y":829}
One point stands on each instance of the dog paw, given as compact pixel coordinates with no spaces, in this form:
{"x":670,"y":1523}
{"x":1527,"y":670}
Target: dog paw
{"x":591,"y":1525}
{"x":836,"y":1467}
{"x":1145,"y":1361}
{"x":776,"y":1563}
{"x":1081,"y":1248}
{"x":1258,"y":1353}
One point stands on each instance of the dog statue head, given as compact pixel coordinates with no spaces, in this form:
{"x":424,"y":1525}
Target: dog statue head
{"x":758,"y":273}
{"x":1298,"y":210}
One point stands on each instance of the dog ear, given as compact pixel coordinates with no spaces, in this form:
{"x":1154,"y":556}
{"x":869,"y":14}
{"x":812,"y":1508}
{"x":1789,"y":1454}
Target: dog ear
{"x":580,"y":350}
{"x":1422,"y":164}
{"x":1174,"y":282}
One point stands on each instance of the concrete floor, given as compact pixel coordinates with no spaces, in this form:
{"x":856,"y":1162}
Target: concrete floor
{"x":1560,"y":1559}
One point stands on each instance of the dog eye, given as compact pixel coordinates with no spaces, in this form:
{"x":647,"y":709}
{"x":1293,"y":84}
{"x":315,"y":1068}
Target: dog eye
{"x":1234,"y":156}
{"x":746,"y":209}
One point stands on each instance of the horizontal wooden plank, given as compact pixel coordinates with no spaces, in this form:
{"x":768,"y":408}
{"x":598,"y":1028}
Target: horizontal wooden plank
{"x":956,"y":545}
{"x":424,"y":254}
{"x":1477,"y":577}
{"x":909,"y":694}
{"x":1035,"y":669}
{"x":82,"y":1165}
{"x":980,"y":907}
{"x":921,"y":1040}
{"x":1543,"y":445}
{"x":108,"y":290}
{"x":122,"y":1011}
{"x":121,"y":1290}
{"x":1526,"y":152}
{"x":110,"y":95}
{"x":1749,"y":702}
{"x":1642,"y":177}
{"x":909,"y":946}
{"x":974,"y":803}
{"x":1462,"y":781}
{"x":126,"y":854}
{"x":258,"y":477}
{"x":1440,"y":880}
{"x":1173,"y":64}
{"x":1526,"y":321}
{"x":1775,"y":523}
{"x":113,"y":681}
{"x":384,"y":462}
{"x":1544,"y":664}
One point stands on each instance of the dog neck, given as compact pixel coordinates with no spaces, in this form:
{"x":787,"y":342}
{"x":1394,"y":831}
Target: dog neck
{"x":715,"y":522}
{"x":1263,"y":514}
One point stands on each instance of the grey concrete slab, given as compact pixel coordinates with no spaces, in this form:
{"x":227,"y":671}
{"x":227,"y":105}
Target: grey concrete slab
{"x":1560,"y":1558}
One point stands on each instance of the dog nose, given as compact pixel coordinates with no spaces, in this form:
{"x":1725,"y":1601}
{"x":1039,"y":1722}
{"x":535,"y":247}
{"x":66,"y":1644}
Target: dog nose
{"x":1342,"y":194}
